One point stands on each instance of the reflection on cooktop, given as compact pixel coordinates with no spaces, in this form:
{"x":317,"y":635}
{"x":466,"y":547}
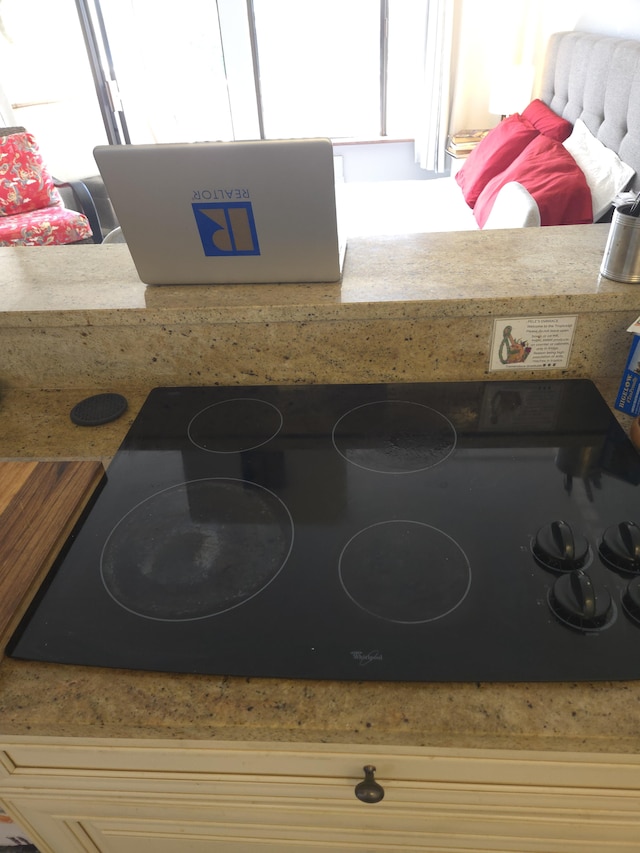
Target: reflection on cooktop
{"x":233,"y":426}
{"x":385,"y":532}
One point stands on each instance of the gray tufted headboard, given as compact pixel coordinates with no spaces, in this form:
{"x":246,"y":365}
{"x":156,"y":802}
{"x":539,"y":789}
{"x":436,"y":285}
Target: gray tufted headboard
{"x":597,"y":79}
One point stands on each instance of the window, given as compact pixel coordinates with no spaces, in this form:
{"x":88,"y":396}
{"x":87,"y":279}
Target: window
{"x":47,"y":84}
{"x":264,"y":68}
{"x":319,"y":74}
{"x":79,"y":73}
{"x":165,"y":68}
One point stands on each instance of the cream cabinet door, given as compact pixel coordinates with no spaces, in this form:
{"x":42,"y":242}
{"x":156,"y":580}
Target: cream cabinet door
{"x":569,"y":826}
{"x":156,"y":797}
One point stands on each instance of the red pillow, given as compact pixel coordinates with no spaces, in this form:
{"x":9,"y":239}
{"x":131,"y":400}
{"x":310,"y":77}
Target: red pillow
{"x":558,"y":185}
{"x":497,"y":150}
{"x":25,"y":183}
{"x":546,"y":121}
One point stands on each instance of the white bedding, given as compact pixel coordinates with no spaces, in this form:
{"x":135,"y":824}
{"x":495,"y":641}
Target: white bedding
{"x":402,"y":207}
{"x":413,"y":207}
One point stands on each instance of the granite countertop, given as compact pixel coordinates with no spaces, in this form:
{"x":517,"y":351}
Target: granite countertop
{"x":409,"y":308}
{"x":47,"y":699}
{"x":455,"y":273}
{"x":71,"y":321}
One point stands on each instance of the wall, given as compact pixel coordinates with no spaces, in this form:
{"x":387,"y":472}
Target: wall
{"x":380,"y":161}
{"x":615,"y":18}
{"x":490,"y":39}
{"x":6,"y":113}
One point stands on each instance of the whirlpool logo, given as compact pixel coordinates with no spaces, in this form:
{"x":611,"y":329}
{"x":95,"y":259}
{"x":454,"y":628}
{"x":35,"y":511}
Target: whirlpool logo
{"x":227,"y":229}
{"x":365,"y":658}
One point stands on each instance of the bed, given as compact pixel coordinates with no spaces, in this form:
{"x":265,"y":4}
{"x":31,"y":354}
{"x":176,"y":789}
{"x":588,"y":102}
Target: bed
{"x":588,"y":106}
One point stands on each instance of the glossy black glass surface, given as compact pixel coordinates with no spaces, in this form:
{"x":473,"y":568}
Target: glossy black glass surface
{"x":378,"y":532}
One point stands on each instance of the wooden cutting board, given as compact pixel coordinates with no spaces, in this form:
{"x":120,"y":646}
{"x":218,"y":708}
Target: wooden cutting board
{"x":39,"y":504}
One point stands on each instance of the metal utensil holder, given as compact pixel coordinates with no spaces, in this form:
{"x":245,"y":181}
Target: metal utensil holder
{"x":621,"y":261}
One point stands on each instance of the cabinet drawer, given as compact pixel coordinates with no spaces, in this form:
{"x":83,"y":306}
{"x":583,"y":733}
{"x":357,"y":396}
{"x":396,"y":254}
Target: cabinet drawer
{"x":135,"y":796}
{"x":110,"y":758}
{"x":451,"y":819}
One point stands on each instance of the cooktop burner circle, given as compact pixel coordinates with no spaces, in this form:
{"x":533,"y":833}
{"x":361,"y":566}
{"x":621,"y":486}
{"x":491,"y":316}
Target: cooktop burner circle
{"x":235,"y":425}
{"x":405,"y":571}
{"x":197,"y":549}
{"x":394,"y":436}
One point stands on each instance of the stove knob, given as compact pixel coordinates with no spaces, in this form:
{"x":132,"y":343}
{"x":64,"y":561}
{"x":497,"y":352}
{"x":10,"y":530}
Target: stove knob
{"x":575,"y":599}
{"x":557,"y":548}
{"x":620,"y":546}
{"x":631,"y":599}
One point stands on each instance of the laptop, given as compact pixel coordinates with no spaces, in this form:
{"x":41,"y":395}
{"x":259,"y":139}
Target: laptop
{"x":226,"y":212}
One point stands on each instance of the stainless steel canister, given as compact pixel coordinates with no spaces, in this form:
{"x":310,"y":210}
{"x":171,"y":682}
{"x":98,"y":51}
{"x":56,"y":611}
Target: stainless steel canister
{"x":621,"y":260}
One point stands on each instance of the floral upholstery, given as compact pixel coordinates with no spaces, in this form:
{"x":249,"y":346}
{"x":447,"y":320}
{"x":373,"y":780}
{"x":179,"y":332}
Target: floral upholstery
{"x":32,"y":212}
{"x":49,"y":226}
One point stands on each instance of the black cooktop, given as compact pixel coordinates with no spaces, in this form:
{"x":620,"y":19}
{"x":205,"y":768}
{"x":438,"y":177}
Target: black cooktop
{"x":451,"y":531}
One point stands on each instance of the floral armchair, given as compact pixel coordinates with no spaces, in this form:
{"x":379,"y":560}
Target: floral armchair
{"x":32,"y":211}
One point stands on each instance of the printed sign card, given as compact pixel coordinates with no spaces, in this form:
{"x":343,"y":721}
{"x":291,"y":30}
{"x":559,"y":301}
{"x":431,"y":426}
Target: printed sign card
{"x":532,"y":343}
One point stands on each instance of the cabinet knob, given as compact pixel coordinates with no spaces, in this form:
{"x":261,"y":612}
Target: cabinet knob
{"x":368,"y":790}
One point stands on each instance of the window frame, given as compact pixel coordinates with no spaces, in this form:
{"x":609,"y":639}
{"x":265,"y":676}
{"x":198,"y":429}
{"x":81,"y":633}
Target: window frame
{"x":241,"y":62}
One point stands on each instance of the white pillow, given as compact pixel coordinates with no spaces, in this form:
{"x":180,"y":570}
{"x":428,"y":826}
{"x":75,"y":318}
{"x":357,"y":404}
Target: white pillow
{"x":605,"y":172}
{"x":514,"y":207}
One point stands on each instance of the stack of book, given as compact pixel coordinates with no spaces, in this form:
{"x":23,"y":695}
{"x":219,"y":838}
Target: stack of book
{"x":464,"y":141}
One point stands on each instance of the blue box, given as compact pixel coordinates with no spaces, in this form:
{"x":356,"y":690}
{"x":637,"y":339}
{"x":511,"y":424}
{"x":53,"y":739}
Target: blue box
{"x":628,"y":399}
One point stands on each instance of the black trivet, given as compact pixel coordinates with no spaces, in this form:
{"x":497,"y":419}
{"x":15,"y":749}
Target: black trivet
{"x":98,"y":409}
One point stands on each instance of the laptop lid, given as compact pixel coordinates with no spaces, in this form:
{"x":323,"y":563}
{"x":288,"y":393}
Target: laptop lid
{"x":226,"y":212}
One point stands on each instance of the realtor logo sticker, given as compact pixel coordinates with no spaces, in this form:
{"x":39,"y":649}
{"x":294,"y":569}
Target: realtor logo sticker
{"x":227,"y":229}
